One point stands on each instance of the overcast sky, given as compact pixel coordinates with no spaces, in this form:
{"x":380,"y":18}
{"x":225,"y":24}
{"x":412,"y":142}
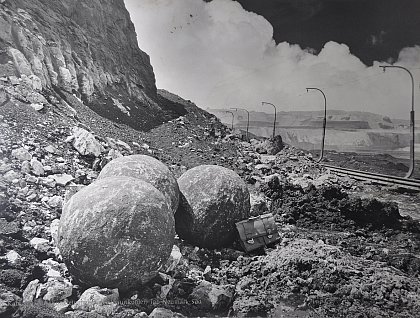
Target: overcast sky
{"x":218,"y":55}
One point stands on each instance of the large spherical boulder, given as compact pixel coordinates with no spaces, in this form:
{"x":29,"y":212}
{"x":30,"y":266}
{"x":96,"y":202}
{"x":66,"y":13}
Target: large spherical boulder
{"x":115,"y":233}
{"x":212,"y":199}
{"x":148,"y":169}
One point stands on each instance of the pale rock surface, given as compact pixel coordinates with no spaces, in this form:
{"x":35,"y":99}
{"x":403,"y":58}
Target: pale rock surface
{"x":13,"y":257}
{"x":164,"y":313}
{"x":40,"y":244}
{"x":116,"y":232}
{"x":85,"y":143}
{"x":62,"y":179}
{"x":21,"y":154}
{"x":37,"y":167}
{"x":213,"y":296}
{"x":148,"y":169}
{"x":37,"y":107}
{"x":213,"y":199}
{"x":96,"y":296}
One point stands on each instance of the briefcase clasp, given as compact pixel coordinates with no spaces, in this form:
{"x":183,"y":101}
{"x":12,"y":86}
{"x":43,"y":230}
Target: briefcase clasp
{"x":251,"y":241}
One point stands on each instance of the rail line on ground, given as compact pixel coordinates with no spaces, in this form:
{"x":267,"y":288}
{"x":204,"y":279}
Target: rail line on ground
{"x":383,"y":179}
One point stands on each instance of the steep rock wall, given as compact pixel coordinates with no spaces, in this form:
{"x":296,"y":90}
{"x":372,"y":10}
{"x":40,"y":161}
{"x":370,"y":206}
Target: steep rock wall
{"x":83,"y":47}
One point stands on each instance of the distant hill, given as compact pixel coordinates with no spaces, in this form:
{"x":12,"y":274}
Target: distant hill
{"x":336,"y":119}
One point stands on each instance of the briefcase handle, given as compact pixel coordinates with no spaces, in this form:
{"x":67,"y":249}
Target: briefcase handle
{"x":247,"y":234}
{"x":269,"y":235}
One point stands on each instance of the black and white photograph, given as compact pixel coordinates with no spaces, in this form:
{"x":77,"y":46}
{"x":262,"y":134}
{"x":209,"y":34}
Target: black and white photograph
{"x":209,"y":158}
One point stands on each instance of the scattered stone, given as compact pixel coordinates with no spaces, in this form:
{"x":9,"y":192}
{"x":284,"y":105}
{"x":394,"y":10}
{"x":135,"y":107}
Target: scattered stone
{"x":148,"y":169}
{"x":8,"y":303}
{"x":122,"y":253}
{"x":213,"y":199}
{"x":62,"y":179}
{"x":54,"y":230}
{"x":83,"y":314}
{"x":40,"y":244}
{"x":37,"y":106}
{"x":263,"y":166}
{"x":55,"y":202}
{"x":31,"y":291}
{"x":123,"y":145}
{"x":114,"y":154}
{"x":212,"y":296}
{"x":173,"y":260}
{"x":62,"y":306}
{"x":57,"y":290}
{"x":258,"y":204}
{"x":5,"y":168}
{"x":164,"y":313}
{"x":95,"y":297}
{"x":13,"y":257}
{"x":267,"y":159}
{"x":21,"y":154}
{"x":48,"y":182}
{"x":10,"y":176}
{"x":25,"y":167}
{"x":32,"y":197}
{"x":37,"y":168}
{"x":53,"y":268}
{"x":85,"y":143}
{"x":9,"y":228}
{"x":51,"y":149}
{"x":11,"y":277}
{"x":269,"y":146}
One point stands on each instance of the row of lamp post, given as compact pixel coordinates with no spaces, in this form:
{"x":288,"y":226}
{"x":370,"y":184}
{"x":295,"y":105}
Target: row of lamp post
{"x":247,"y":123}
{"x":324,"y":124}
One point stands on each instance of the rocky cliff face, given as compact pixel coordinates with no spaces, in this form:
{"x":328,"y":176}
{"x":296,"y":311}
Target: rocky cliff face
{"x":87,"y":48}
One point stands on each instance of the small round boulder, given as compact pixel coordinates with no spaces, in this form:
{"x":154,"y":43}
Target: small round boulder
{"x":212,"y":200}
{"x":148,"y":169}
{"x":116,"y":233}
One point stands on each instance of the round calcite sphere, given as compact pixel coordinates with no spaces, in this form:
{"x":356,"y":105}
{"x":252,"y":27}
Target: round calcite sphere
{"x":212,"y":200}
{"x":148,"y":169}
{"x":116,"y":233}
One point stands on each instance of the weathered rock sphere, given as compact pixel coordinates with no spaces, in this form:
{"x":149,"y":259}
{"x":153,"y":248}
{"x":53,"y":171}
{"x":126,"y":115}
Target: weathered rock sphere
{"x":212,"y":199}
{"x":148,"y":169}
{"x":115,"y":233}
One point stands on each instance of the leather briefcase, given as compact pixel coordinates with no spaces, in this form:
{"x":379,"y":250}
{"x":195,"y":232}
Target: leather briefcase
{"x":258,"y":231}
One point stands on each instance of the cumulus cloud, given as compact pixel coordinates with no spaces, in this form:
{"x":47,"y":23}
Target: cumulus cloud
{"x":219,"y":55}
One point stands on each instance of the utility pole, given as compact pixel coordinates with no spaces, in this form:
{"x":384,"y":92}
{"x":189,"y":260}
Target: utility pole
{"x":247,"y":123}
{"x":324,"y":125}
{"x":275,"y":116}
{"x":233,"y":116}
{"x":412,"y":119}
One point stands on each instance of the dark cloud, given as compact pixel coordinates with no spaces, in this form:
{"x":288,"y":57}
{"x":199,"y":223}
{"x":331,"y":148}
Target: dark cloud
{"x":312,"y":23}
{"x":219,"y":55}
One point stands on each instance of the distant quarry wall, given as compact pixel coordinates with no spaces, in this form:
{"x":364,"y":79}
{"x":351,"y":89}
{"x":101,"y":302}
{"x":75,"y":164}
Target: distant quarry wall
{"x":340,"y":140}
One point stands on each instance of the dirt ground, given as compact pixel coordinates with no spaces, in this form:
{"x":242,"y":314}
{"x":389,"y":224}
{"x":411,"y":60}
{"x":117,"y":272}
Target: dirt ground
{"x":343,"y":252}
{"x":379,"y":163}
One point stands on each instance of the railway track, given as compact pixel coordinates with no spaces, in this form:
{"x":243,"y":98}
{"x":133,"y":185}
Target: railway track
{"x":377,"y":178}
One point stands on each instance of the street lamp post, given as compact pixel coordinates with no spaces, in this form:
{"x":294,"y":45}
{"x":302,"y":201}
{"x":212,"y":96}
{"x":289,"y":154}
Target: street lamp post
{"x":233,"y":116}
{"x":324,"y":125}
{"x":247,"y":123}
{"x":275,"y":117}
{"x":412,"y":118}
